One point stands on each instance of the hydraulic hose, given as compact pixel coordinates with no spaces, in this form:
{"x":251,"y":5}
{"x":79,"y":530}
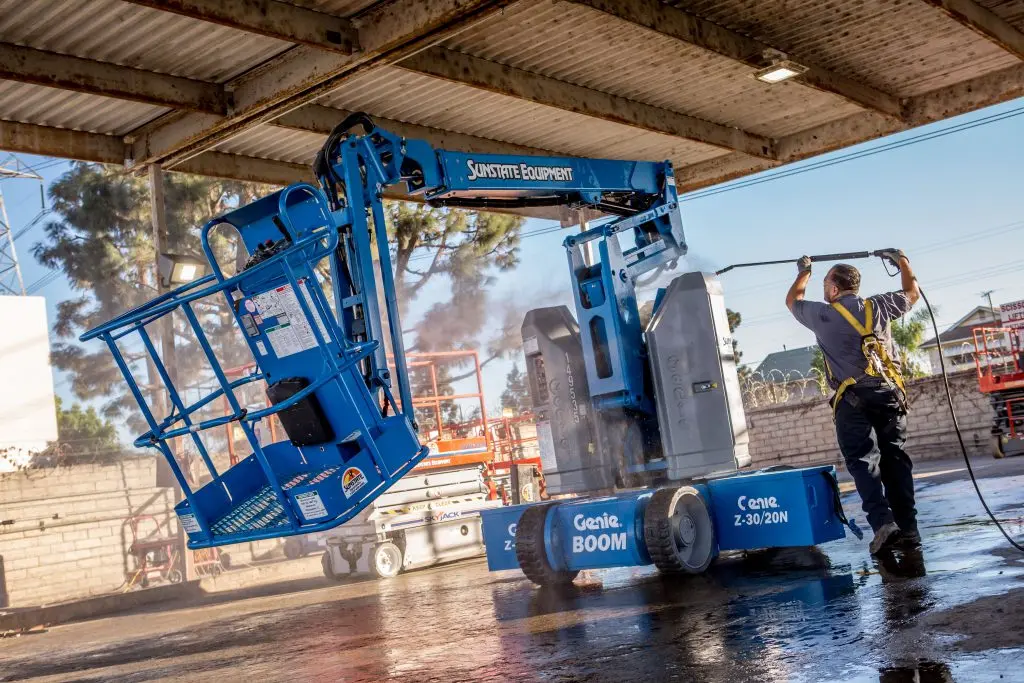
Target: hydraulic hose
{"x":956,"y":427}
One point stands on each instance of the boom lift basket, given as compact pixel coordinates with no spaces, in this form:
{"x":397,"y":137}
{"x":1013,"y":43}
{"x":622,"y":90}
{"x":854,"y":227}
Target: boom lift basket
{"x":343,"y":448}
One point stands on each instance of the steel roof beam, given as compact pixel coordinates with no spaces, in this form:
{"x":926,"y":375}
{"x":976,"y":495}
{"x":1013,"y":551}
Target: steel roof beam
{"x":27,"y":65}
{"x":315,"y":118}
{"x":386,"y":34}
{"x":245,"y":168}
{"x":688,"y":28}
{"x":458,"y":67}
{"x":985,"y":23}
{"x":269,"y":18}
{"x":28,"y":138}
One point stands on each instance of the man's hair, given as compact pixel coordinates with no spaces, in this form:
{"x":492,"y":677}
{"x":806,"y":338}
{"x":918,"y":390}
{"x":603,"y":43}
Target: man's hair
{"x":846,"y":277}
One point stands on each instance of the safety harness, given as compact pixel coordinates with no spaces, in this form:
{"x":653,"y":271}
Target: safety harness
{"x":879,"y":363}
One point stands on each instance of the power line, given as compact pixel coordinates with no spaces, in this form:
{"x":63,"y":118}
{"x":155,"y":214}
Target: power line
{"x":852,"y":156}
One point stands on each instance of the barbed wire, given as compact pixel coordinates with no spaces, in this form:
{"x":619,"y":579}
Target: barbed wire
{"x":779,"y":388}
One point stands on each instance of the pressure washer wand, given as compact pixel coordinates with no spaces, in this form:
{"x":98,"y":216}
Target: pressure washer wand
{"x":849,"y":256}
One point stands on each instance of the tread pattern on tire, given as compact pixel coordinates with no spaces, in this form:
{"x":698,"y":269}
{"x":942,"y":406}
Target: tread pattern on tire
{"x":530,"y":553}
{"x":658,"y":533}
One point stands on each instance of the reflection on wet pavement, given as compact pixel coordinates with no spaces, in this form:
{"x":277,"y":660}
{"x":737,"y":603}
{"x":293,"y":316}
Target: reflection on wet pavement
{"x":950,"y":611}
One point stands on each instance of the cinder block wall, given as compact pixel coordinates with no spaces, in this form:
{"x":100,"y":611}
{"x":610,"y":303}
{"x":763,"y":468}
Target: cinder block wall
{"x":802,"y":433}
{"x":64,"y":532}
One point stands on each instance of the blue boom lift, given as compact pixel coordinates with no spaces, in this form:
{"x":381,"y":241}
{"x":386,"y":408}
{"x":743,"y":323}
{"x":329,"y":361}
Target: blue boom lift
{"x":622,"y":403}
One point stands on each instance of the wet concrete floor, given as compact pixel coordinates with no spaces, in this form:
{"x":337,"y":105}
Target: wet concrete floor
{"x":954,"y":612}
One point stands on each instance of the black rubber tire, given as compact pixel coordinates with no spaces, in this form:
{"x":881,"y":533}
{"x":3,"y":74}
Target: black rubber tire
{"x":530,"y":552}
{"x":294,"y":548}
{"x":664,"y":543}
{"x":997,"y":447}
{"x":325,"y":564}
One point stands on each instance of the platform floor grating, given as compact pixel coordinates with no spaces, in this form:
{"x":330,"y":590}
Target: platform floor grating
{"x":263,"y":510}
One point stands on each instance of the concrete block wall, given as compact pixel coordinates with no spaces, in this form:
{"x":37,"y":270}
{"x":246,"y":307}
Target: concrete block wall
{"x":64,"y":532}
{"x":803,"y":433}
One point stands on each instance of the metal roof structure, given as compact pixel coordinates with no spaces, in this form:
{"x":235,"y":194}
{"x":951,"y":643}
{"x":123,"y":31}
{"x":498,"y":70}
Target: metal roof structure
{"x":248,"y":89}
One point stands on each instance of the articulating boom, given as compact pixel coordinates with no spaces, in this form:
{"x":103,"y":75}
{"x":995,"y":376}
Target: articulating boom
{"x":355,"y":169}
{"x":322,"y":349}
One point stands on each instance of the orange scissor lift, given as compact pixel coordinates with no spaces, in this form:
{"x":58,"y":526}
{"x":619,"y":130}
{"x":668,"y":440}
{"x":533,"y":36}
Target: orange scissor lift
{"x":1000,"y":367}
{"x":469,"y":468}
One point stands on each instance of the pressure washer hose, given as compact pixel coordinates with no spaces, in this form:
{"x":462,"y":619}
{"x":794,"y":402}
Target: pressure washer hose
{"x":942,"y":365}
{"x":956,"y":426}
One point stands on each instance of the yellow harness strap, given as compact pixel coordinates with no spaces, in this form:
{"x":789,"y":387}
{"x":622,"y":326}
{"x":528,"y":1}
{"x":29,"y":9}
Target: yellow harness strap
{"x":873,"y":349}
{"x":864,"y":328}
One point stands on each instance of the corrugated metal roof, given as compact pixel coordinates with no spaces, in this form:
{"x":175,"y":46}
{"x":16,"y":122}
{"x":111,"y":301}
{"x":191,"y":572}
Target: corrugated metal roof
{"x":131,"y":35}
{"x":1010,"y":10}
{"x":271,"y":142}
{"x":586,"y":47}
{"x":403,"y":95}
{"x":339,"y":8}
{"x":904,"y":47}
{"x":65,"y":109}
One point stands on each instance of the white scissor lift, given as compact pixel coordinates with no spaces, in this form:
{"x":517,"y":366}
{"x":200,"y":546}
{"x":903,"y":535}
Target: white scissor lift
{"x":430,"y":516}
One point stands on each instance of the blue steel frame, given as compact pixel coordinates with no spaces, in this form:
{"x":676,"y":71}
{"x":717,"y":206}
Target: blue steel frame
{"x":294,"y":262}
{"x":366,"y":165}
{"x":604,"y":292}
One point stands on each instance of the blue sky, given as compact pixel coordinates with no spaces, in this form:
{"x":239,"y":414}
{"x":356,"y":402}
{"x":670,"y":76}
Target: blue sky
{"x":930,"y":198}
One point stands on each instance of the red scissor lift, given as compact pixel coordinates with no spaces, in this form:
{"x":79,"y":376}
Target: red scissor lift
{"x":997,"y":356}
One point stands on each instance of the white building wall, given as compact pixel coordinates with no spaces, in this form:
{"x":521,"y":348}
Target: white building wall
{"x":28,"y":419}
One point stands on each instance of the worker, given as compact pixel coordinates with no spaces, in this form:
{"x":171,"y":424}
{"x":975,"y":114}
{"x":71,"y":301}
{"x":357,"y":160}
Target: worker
{"x":855,"y":339}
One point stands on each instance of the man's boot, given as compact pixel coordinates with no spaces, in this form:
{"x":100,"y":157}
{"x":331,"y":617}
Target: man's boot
{"x":884,"y":537}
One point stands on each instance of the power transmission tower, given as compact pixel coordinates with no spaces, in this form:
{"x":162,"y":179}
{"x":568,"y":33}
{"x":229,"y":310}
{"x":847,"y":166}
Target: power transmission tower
{"x":11,"y":281}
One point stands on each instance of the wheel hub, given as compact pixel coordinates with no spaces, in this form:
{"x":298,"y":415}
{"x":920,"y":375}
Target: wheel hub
{"x":686,"y":530}
{"x":384,"y":562}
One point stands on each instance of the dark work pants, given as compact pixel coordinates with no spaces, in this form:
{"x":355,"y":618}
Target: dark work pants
{"x":880,"y":468}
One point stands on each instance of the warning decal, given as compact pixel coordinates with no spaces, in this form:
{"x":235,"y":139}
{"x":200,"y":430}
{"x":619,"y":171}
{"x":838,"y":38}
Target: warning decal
{"x":189,"y":523}
{"x":352,"y":481}
{"x":291,"y":332}
{"x":311,"y":505}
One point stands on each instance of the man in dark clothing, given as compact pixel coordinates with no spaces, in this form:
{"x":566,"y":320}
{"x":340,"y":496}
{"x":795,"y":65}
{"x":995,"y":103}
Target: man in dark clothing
{"x":862,"y":369}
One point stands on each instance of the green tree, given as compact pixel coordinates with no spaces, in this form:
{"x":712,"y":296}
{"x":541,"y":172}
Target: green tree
{"x":516,"y":396}
{"x":907,"y":335}
{"x":735,"y":319}
{"x":819,"y":372}
{"x":818,"y":362}
{"x":83,"y":434}
{"x":465,"y":251}
{"x":102,"y":240}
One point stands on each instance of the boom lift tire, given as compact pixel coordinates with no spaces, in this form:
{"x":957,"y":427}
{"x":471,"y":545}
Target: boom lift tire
{"x":530,"y":552}
{"x":678,"y":530}
{"x":386,"y":560}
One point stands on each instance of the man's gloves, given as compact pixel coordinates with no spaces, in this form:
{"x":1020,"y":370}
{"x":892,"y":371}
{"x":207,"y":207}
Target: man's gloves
{"x":893,"y":256}
{"x":803,"y":264}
